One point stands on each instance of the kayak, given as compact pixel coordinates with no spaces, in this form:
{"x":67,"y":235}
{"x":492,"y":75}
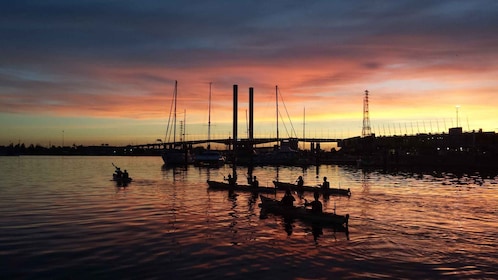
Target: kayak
{"x":225,"y":186}
{"x":121,"y":180}
{"x":274,"y":206}
{"x":294,"y":187}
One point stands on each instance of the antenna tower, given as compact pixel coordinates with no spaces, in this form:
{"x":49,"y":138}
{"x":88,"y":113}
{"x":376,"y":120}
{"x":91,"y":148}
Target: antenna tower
{"x":366,"y":131}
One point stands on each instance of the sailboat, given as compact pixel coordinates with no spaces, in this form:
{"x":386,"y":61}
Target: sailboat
{"x":209,"y":157}
{"x":285,"y":151}
{"x":175,"y":153}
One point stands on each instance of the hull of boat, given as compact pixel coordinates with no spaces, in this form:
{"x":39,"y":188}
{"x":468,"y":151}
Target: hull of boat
{"x":274,"y":206}
{"x":215,"y":185}
{"x":121,"y":181}
{"x":209,"y":159}
{"x":175,"y":157}
{"x":294,"y":187}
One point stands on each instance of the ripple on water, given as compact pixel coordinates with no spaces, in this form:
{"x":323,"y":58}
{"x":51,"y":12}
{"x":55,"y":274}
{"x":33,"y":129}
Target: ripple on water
{"x":72,"y":222}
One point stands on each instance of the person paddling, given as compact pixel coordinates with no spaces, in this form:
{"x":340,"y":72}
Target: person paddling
{"x":316,"y":205}
{"x":254,"y":183}
{"x":300,"y":182}
{"x":325,"y":184}
{"x":119,"y":173}
{"x":231,"y":180}
{"x":288,"y":199}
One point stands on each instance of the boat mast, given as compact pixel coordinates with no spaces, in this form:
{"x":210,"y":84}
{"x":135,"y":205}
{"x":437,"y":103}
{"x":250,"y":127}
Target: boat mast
{"x":304,"y":128}
{"x":184,"y":127}
{"x":276,"y":102}
{"x":247,"y":126}
{"x":209,"y":118}
{"x":174,"y":113}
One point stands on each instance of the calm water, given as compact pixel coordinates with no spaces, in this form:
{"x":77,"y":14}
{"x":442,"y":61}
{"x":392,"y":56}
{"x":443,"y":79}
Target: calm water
{"x":62,"y":218}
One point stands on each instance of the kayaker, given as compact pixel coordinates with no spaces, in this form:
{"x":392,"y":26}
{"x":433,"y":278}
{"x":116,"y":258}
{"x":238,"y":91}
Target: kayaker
{"x":300,"y":181}
{"x":316,"y":205}
{"x":118,"y":172}
{"x":125,"y":175}
{"x":325,"y":184}
{"x":254,"y":183}
{"x":231,"y":180}
{"x":288,"y":199}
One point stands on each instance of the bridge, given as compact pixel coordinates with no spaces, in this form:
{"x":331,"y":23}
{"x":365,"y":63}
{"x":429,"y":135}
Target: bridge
{"x":229,"y":142}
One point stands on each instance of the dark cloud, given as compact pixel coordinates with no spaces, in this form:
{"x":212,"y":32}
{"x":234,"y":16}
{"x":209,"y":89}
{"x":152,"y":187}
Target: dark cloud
{"x":170,"y":31}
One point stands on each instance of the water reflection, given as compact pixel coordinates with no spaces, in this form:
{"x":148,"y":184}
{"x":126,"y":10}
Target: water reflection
{"x":317,"y":231}
{"x":288,"y":225}
{"x":176,"y":172}
{"x":167,"y":224}
{"x":232,"y":197}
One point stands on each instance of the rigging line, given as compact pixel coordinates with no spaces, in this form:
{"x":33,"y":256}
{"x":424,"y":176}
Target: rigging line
{"x":174,"y":118}
{"x":167,"y":136}
{"x":285,"y":126}
{"x":293,"y":132}
{"x":209,"y":116}
{"x":288,"y":116}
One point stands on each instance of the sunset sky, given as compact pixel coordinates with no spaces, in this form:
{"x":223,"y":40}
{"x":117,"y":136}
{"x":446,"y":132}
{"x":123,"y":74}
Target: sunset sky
{"x":93,"y":72}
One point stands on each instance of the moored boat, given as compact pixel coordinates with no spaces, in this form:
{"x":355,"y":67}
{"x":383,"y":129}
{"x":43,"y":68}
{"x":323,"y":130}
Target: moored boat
{"x":325,"y":219}
{"x":209,"y":158}
{"x":326,"y":191}
{"x":178,"y":156}
{"x":177,"y":153}
{"x":247,"y":188}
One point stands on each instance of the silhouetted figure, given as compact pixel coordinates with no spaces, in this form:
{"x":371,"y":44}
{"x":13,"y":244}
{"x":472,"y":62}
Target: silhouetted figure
{"x":299,"y":188}
{"x":231,"y":180}
{"x":316,"y":205}
{"x":288,"y":199}
{"x":254,"y":183}
{"x":300,"y":181}
{"x":125,"y":175}
{"x":325,"y":184}
{"x":118,"y":173}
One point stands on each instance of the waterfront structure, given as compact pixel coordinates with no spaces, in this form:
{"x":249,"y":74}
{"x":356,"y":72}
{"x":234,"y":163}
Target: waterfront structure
{"x":366,"y":130}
